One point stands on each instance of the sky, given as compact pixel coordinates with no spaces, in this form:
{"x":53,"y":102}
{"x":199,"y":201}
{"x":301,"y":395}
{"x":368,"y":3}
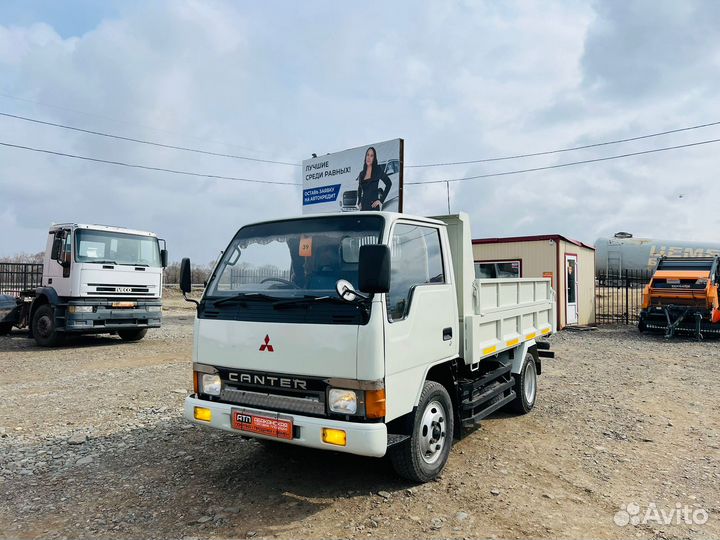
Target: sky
{"x":281,"y":80}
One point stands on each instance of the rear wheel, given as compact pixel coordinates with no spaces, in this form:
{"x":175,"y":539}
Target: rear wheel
{"x":422,"y":457}
{"x":44,"y":329}
{"x":132,"y":335}
{"x":525,"y":387}
{"x":5,"y":328}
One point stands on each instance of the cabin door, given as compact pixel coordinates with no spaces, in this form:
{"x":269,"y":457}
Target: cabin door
{"x":571,"y":290}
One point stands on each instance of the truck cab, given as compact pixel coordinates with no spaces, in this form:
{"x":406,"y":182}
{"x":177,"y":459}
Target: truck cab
{"x":351,"y":332}
{"x":682,"y":297}
{"x":95,"y":279}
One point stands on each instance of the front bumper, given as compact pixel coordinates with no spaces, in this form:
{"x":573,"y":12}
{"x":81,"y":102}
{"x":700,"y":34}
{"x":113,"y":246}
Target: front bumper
{"x":362,"y":439}
{"x":106,"y":318}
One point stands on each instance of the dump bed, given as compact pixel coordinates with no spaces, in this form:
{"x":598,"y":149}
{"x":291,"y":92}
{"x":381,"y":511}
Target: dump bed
{"x":495,"y":314}
{"x":505,"y":313}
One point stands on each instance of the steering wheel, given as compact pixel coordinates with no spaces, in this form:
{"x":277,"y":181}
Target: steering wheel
{"x":280,"y":280}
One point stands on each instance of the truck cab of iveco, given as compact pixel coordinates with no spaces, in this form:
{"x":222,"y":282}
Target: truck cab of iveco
{"x":95,"y":279}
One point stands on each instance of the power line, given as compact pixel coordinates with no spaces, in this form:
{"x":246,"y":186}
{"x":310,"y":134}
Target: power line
{"x":443,"y":181}
{"x":560,"y":165}
{"x":147,"y":167}
{"x":152,"y":143}
{"x":118,"y":121}
{"x":294,"y":164}
{"x":548,"y":152}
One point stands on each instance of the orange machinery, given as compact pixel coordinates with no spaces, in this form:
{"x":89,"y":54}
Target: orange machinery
{"x":682,"y":297}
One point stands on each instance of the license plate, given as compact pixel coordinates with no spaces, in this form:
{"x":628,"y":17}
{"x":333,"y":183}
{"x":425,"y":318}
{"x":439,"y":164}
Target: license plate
{"x":262,"y":425}
{"x":123,"y":305}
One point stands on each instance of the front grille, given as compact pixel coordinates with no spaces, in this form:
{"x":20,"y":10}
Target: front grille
{"x":273,"y":402}
{"x":678,"y":284}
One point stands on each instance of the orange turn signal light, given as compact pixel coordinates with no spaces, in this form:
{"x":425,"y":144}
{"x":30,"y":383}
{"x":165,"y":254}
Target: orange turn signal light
{"x":375,"y":403}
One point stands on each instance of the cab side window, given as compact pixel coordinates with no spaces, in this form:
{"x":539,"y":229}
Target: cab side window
{"x":416,"y":259}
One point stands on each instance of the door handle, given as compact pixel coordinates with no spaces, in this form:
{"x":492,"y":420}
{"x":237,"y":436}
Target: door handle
{"x":447,"y":334}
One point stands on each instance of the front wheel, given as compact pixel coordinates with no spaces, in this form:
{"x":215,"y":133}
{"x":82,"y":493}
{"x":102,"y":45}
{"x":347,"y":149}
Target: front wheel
{"x":422,"y":457}
{"x":525,"y":387}
{"x":44,"y":328}
{"x":132,"y":335}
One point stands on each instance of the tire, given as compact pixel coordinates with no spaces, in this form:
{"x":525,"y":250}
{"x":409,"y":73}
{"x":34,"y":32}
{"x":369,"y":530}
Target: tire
{"x":423,"y":457}
{"x":132,"y":335}
{"x":5,"y":328}
{"x":43,"y":327}
{"x":525,"y":387}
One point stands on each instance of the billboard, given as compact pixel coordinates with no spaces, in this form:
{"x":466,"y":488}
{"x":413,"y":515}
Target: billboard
{"x":368,"y":177}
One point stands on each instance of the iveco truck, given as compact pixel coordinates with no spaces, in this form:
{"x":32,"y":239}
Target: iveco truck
{"x":94,"y":279}
{"x":365,"y":333}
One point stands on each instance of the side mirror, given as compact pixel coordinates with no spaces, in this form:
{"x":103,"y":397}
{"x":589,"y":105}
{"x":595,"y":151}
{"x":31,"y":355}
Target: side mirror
{"x":185,"y":277}
{"x":374,"y":268}
{"x":163,"y":257}
{"x":56,"y":248}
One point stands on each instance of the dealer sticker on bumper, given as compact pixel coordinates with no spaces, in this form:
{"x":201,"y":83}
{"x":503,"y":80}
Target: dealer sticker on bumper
{"x":282,"y":428}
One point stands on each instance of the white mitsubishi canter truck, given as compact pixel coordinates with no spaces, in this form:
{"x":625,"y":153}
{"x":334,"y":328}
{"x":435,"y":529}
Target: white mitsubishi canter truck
{"x":364,"y":333}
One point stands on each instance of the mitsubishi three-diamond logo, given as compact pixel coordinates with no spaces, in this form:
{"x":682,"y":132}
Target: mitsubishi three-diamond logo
{"x":266,"y":346}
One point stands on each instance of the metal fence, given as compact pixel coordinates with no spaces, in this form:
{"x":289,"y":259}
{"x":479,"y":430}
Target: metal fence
{"x":618,"y":296}
{"x":256,"y":275}
{"x":18,"y":277}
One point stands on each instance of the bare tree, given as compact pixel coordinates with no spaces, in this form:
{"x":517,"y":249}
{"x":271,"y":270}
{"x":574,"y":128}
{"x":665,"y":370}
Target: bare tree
{"x":24,"y":258}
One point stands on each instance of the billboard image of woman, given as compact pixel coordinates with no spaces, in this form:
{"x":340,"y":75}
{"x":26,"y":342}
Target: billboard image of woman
{"x":370,"y":196}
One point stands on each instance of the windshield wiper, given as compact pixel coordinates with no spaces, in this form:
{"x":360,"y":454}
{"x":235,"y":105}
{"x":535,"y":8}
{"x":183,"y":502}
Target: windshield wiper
{"x":305,"y":300}
{"x":243,"y":296}
{"x":103,"y":262}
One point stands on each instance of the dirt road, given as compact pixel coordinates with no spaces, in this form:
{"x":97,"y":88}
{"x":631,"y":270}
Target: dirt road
{"x":92,"y":444}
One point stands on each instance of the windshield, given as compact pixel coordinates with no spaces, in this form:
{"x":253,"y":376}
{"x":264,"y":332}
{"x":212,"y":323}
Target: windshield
{"x":295,"y":258}
{"x":116,"y":248}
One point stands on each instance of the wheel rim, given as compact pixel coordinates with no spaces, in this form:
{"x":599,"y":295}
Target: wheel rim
{"x":44,"y":326}
{"x":530,"y":383}
{"x":432,"y":432}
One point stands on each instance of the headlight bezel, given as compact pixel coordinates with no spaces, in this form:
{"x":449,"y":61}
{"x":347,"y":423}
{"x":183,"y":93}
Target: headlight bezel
{"x":210,"y":384}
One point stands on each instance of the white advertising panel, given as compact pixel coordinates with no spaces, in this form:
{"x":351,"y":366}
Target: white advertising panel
{"x":365,"y":178}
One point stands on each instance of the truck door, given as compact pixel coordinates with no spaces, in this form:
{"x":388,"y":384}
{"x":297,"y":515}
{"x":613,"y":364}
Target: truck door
{"x":60,"y":263}
{"x":422,"y":319}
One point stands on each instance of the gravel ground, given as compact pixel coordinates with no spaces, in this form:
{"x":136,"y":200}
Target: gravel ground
{"x":92,"y":444}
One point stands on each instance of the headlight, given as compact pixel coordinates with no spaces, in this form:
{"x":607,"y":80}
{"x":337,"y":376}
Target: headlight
{"x":154,"y":308}
{"x":342,"y":401}
{"x":80,"y":309}
{"x":211,"y":384}
{"x":701,"y":281}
